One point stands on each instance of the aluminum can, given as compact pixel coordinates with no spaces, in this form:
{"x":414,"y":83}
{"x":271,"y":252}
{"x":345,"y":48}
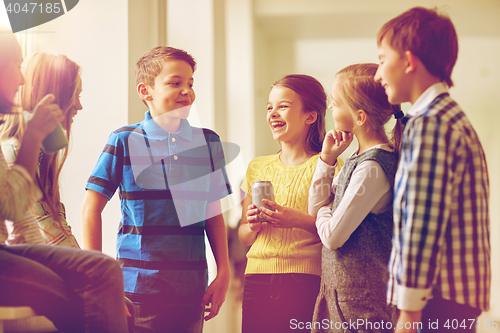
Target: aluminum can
{"x":55,"y":140}
{"x":262,"y":189}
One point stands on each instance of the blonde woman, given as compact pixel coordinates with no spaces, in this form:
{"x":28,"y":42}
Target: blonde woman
{"x":46,"y":74}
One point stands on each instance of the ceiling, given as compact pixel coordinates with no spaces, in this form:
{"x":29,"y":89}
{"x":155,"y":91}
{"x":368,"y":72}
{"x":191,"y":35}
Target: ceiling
{"x":313,"y":19}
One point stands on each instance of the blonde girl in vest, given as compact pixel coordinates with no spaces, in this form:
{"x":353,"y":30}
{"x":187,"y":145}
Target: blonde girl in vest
{"x":354,"y":210}
{"x":44,"y":74}
{"x":284,"y":262}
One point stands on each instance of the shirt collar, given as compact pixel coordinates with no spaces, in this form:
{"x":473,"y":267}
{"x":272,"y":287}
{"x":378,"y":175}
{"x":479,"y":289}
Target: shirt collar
{"x":154,"y":131}
{"x":426,"y":98}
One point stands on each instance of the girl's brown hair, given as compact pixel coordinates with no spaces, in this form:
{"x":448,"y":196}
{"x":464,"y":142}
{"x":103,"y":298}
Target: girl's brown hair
{"x":313,"y":99}
{"x":44,"y":74}
{"x":359,"y":91}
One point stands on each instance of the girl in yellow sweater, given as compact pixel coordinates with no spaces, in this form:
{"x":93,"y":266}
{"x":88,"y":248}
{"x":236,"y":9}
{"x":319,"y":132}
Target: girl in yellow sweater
{"x":284,"y":261}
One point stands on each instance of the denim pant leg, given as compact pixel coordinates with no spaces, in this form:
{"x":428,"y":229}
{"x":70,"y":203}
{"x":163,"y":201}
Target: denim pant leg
{"x":24,"y":282}
{"x":158,"y":316}
{"x":90,"y":276}
{"x":130,"y":320}
{"x":279,"y":302}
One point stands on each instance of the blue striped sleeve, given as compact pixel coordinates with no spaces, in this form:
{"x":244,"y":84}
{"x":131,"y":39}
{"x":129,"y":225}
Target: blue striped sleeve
{"x":107,"y":173}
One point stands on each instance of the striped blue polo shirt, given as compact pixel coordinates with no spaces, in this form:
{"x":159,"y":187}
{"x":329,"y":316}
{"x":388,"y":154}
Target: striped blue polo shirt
{"x":165,"y":181}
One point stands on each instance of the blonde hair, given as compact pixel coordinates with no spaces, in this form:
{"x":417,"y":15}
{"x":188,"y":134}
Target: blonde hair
{"x":359,"y":91}
{"x":44,"y":74}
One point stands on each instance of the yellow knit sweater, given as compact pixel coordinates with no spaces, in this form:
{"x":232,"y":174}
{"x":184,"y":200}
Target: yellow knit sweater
{"x":284,"y":250}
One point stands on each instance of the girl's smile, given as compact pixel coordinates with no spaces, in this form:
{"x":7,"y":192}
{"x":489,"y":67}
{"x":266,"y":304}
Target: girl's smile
{"x":285,"y":115}
{"x":276,"y":125}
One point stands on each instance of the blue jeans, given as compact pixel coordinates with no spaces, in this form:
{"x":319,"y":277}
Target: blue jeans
{"x":154,"y":315}
{"x":279,"y":302}
{"x":79,"y":291}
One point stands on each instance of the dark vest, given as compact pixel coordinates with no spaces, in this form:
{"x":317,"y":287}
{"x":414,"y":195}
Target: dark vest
{"x":365,"y":255}
{"x":354,"y":276}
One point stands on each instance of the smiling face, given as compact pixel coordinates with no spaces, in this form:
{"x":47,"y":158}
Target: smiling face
{"x":285,"y":115}
{"x":12,"y":77}
{"x":391,"y":73}
{"x":172,"y":94}
{"x":342,"y":115}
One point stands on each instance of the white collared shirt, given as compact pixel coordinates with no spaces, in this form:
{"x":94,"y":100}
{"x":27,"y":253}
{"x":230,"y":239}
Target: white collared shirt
{"x":426,"y":98}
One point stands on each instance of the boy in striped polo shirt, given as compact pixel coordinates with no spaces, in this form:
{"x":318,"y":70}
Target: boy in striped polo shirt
{"x":171,"y":178}
{"x":440,"y":263}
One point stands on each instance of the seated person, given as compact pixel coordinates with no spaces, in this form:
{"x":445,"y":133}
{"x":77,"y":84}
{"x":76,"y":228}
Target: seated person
{"x":92,"y":299}
{"x":44,"y":74}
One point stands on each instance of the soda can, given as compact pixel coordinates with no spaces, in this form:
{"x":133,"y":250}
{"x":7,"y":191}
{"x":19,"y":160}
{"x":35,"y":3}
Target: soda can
{"x":262,"y":189}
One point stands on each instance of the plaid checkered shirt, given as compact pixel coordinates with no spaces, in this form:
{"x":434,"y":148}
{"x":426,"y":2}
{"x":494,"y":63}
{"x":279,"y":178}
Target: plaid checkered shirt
{"x":441,"y":241}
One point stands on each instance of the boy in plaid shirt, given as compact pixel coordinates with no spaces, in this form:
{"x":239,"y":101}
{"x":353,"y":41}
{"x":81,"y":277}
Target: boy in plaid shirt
{"x":440,"y":261}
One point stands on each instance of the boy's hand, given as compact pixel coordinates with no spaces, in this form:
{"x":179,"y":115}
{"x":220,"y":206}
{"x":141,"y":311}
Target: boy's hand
{"x":335,"y":143}
{"x":215,"y":295}
{"x":408,"y":319}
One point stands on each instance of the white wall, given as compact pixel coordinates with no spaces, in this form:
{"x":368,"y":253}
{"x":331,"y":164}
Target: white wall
{"x":240,"y":75}
{"x":477,"y":81}
{"x":143,"y":34}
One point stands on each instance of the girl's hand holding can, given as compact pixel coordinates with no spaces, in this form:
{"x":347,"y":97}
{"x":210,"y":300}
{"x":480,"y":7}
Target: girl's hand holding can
{"x":285,"y":217}
{"x":335,"y":143}
{"x":46,"y":116}
{"x":252,"y":215}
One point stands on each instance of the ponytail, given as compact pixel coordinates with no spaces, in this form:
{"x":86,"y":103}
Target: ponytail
{"x":397,"y":131}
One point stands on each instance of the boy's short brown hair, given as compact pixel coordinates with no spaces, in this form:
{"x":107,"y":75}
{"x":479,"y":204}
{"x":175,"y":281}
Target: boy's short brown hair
{"x":428,"y":35}
{"x":150,"y":64}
